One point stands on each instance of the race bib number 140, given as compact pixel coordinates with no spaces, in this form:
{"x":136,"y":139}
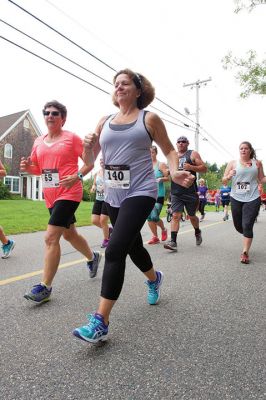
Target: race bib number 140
{"x":117,"y":176}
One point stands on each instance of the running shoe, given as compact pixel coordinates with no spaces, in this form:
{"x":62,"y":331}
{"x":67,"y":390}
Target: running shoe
{"x":38,"y":294}
{"x":104,"y":243}
{"x":7,"y":248}
{"x":202,"y":217}
{"x":94,"y":264}
{"x":244,"y":259}
{"x":198,"y":238}
{"x":164,"y":235}
{"x":154,"y":240}
{"x":154,"y":289}
{"x":171,"y":245}
{"x":95,"y":331}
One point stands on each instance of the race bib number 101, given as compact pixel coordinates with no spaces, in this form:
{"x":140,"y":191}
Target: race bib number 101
{"x":117,"y":176}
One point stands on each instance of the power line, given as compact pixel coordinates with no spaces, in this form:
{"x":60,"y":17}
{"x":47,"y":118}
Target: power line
{"x":75,"y":63}
{"x":55,"y":51}
{"x":88,"y":52}
{"x":55,"y":65}
{"x":216,"y":141}
{"x":61,"y":34}
{"x":98,"y":59}
{"x":72,"y":74}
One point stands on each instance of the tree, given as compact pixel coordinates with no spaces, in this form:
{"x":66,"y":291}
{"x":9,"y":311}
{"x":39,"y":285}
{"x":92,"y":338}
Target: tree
{"x":247,"y":4}
{"x":251,"y":73}
{"x":213,"y":177}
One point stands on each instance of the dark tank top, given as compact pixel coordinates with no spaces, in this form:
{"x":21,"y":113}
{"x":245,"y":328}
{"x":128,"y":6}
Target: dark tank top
{"x":177,"y":189}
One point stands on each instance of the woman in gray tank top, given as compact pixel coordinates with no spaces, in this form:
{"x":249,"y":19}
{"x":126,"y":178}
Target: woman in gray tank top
{"x":245,"y":174}
{"x":130,"y":190}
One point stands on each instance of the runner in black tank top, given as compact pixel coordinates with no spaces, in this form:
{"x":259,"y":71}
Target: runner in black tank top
{"x":182,"y":197}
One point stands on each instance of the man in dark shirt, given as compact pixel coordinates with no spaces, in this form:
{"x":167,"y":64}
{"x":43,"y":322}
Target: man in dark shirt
{"x":181,"y":197}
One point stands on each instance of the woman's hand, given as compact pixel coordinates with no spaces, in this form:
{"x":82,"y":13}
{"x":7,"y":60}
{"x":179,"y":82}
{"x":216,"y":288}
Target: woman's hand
{"x":90,"y":140}
{"x":69,"y":180}
{"x":183,"y":178}
{"x":25,"y":163}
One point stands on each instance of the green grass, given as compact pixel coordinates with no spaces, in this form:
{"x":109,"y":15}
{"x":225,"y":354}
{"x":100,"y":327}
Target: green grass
{"x":23,"y":216}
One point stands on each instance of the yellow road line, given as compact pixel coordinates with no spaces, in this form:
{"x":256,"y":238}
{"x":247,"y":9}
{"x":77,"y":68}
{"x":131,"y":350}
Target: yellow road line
{"x":39,"y":272}
{"x":201,"y":227}
{"x":71,"y":263}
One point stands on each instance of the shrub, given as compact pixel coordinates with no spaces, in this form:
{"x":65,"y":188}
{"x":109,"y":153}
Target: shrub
{"x":4,"y":191}
{"x":87,"y":195}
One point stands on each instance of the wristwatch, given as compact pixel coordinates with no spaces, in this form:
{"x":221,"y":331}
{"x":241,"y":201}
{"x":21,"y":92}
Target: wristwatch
{"x":80,"y":176}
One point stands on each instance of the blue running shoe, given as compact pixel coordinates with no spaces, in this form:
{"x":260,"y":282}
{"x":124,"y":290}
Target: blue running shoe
{"x":7,"y":248}
{"x":95,"y":331}
{"x":94,"y":264}
{"x":154,"y":289}
{"x":38,"y":294}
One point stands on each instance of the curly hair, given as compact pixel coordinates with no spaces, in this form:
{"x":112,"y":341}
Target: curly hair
{"x":60,"y":107}
{"x":147,"y":91}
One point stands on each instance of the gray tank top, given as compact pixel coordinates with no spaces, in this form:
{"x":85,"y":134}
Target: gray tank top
{"x":127,"y":160}
{"x":245,"y":183}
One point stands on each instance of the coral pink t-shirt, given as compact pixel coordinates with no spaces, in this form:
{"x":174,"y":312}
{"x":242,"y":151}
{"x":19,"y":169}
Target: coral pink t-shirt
{"x":55,"y":161}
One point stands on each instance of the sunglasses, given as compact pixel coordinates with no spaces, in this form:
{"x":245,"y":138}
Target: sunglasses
{"x":182,"y":141}
{"x":53,"y":113}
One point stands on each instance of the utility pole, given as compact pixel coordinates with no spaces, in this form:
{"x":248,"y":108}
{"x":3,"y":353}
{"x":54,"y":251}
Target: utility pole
{"x":197,"y":85}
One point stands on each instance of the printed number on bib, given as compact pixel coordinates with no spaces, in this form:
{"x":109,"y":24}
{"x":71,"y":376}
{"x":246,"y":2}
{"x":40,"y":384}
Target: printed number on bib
{"x":100,"y":191}
{"x":50,"y":178}
{"x":242,"y":187}
{"x":117,"y":176}
{"x":182,"y":161}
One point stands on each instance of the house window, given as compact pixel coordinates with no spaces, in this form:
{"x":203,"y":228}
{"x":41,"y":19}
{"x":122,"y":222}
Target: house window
{"x":13,"y":183}
{"x":8,"y":182}
{"x":8,"y":150}
{"x":26,"y":123}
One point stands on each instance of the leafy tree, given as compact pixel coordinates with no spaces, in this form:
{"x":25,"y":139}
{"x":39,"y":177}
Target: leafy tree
{"x":247,"y":4}
{"x":251,"y":73}
{"x":213,"y":177}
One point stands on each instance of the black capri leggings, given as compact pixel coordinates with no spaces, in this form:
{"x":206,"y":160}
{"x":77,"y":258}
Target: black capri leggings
{"x":126,"y":239}
{"x":202,"y":204}
{"x":244,"y":215}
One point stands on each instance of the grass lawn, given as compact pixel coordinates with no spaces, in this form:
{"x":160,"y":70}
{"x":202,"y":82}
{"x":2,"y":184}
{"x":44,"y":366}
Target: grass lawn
{"x":23,"y":216}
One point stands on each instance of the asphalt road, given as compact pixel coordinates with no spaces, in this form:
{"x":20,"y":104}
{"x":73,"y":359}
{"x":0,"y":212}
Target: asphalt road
{"x":205,"y":340}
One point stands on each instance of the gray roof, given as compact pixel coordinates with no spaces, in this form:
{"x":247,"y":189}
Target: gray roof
{"x":8,"y":122}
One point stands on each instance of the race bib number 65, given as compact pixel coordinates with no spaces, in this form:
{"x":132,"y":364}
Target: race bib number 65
{"x":117,"y":176}
{"x":50,"y":178}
